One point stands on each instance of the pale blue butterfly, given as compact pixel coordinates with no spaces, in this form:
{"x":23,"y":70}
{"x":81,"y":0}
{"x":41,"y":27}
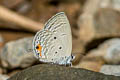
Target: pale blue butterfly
{"x":54,"y":43}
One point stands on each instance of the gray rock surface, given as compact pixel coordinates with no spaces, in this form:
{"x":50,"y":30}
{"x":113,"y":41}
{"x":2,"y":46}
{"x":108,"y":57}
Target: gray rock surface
{"x":111,"y":70}
{"x":109,"y":50}
{"x":55,"y":72}
{"x":3,"y":77}
{"x":16,"y":53}
{"x":112,"y":51}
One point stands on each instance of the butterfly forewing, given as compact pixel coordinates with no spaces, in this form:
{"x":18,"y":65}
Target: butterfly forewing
{"x":59,"y":25}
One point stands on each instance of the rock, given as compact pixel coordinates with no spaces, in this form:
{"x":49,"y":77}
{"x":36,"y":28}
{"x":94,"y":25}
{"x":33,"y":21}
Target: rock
{"x":3,"y":77}
{"x":98,"y":23}
{"x":117,"y":74}
{"x":2,"y":70}
{"x":13,"y":72}
{"x":1,"y":38}
{"x":86,"y":21}
{"x":111,"y":70}
{"x":55,"y":72}
{"x":112,"y":54}
{"x":16,"y":54}
{"x":77,"y":47}
{"x":91,"y":65}
{"x":1,"y":42}
{"x":90,"y":62}
{"x":115,"y":4}
{"x":14,"y":35}
{"x":11,"y":3}
{"x":109,"y":50}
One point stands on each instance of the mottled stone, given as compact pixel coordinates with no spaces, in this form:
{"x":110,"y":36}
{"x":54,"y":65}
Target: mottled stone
{"x":115,"y":4}
{"x":1,"y":38}
{"x":3,"y":77}
{"x":55,"y":72}
{"x":86,"y":20}
{"x":112,"y":54}
{"x":17,"y":54}
{"x":1,"y":42}
{"x":77,"y":46}
{"x":90,"y":62}
{"x":11,"y":3}
{"x":98,"y":23}
{"x":108,"y":51}
{"x":111,"y":70}
{"x":1,"y":70}
{"x":13,"y":72}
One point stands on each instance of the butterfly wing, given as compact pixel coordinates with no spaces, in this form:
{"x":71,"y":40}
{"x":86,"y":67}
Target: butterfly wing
{"x":56,"y":40}
{"x":40,"y":40}
{"x":60,"y":27}
{"x":59,"y":24}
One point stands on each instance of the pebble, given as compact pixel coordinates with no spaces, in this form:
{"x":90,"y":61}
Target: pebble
{"x":111,"y":70}
{"x":16,"y":53}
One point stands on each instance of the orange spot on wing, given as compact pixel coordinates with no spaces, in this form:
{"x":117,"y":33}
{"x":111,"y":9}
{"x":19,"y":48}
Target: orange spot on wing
{"x":39,"y":48}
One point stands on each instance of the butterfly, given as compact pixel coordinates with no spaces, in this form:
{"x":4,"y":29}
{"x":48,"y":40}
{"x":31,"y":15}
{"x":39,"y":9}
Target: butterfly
{"x":53,"y":44}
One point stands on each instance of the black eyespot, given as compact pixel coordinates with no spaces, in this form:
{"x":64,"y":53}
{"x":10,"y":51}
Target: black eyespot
{"x":52,"y":59}
{"x":65,"y":56}
{"x":37,"y":47}
{"x":55,"y":52}
{"x":60,"y":47}
{"x":54,"y":37}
